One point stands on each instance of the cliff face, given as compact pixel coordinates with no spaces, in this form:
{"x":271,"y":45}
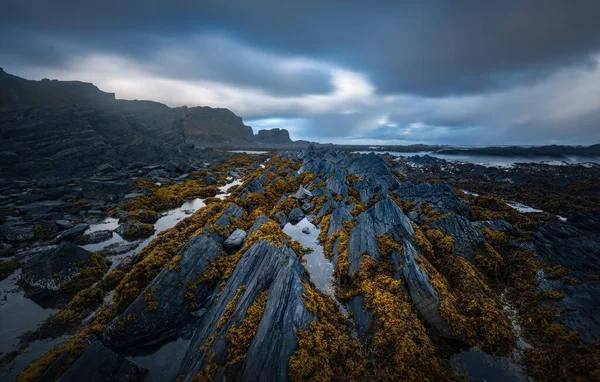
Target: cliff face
{"x":274,"y":137}
{"x":60,"y":128}
{"x":207,"y":126}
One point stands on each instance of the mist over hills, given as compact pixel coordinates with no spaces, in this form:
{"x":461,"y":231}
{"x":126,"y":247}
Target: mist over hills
{"x":66,"y":126}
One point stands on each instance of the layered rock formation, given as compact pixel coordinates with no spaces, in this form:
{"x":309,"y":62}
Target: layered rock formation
{"x":60,"y":128}
{"x":415,"y":268}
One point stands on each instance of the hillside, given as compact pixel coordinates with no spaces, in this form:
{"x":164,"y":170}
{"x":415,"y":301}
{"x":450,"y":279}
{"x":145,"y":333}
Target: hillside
{"x":70,"y":127}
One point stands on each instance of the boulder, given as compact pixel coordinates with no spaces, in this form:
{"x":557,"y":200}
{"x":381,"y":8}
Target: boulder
{"x":93,"y":238}
{"x":106,"y":168}
{"x":235,"y":240}
{"x":303,"y":195}
{"x":63,"y":224}
{"x":133,"y":229}
{"x":295,"y":215}
{"x":72,"y":233}
{"x":15,"y":230}
{"x":307,"y":207}
{"x":52,"y":267}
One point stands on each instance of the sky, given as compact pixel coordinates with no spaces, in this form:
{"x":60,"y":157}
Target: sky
{"x":356,"y":72}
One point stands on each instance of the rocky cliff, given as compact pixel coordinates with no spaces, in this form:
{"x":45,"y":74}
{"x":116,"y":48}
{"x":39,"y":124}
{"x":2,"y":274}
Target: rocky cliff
{"x":274,"y":137}
{"x":61,"y":128}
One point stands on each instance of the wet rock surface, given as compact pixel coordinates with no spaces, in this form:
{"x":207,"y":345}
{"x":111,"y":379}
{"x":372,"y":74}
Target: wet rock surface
{"x":228,"y":289}
{"x":575,"y":244}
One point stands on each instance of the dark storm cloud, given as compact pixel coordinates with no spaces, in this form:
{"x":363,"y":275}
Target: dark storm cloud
{"x":439,"y":71}
{"x":427,"y":48}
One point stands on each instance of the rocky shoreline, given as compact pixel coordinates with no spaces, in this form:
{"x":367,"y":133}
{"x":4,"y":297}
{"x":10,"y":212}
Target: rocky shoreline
{"x":423,"y":269}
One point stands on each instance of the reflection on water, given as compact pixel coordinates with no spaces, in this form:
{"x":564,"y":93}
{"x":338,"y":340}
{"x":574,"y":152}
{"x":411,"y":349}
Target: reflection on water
{"x":522,"y":207}
{"x":490,"y":159}
{"x":320,"y":269}
{"x":108,"y":224}
{"x":225,"y":189}
{"x":247,"y":151}
{"x":18,"y":314}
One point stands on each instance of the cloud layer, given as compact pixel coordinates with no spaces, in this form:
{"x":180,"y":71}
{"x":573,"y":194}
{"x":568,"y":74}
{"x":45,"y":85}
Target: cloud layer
{"x":460,"y":72}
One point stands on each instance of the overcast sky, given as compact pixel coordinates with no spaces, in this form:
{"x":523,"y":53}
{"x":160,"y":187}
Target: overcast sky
{"x":456,"y":72}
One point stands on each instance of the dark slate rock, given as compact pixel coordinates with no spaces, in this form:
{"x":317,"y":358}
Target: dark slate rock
{"x":71,"y":233}
{"x":575,"y":244}
{"x":63,"y":224}
{"x":44,"y":207}
{"x":385,"y":217}
{"x":5,"y":249}
{"x":133,"y":229}
{"x":100,"y":364}
{"x":362,"y":317}
{"x":495,"y":225}
{"x":303,"y":195}
{"x":257,"y":224}
{"x":52,"y":267}
{"x":440,"y":196}
{"x":281,"y":218}
{"x":339,"y":216}
{"x":329,"y":203}
{"x":368,"y":189}
{"x":263,"y":267}
{"x":133,"y":195}
{"x":106,"y":168}
{"x":233,"y":211}
{"x":235,"y":240}
{"x":256,"y":185}
{"x":15,"y":230}
{"x":209,"y":180}
{"x":295,"y":215}
{"x":103,"y":189}
{"x":93,"y":238}
{"x":306,"y":230}
{"x":421,"y":291}
{"x":337,"y":182}
{"x":374,"y":167}
{"x":467,"y":238}
{"x":168,"y":291}
{"x":307,"y":207}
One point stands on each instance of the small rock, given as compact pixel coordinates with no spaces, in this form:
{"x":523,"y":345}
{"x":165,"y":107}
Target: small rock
{"x":306,"y":230}
{"x":5,"y":249}
{"x":63,"y":224}
{"x":209,"y":180}
{"x":307,"y":207}
{"x":106,"y":168}
{"x":94,"y":237}
{"x":72,"y":233}
{"x":296,"y":215}
{"x":303,"y":194}
{"x":235,"y":240}
{"x":135,"y":230}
